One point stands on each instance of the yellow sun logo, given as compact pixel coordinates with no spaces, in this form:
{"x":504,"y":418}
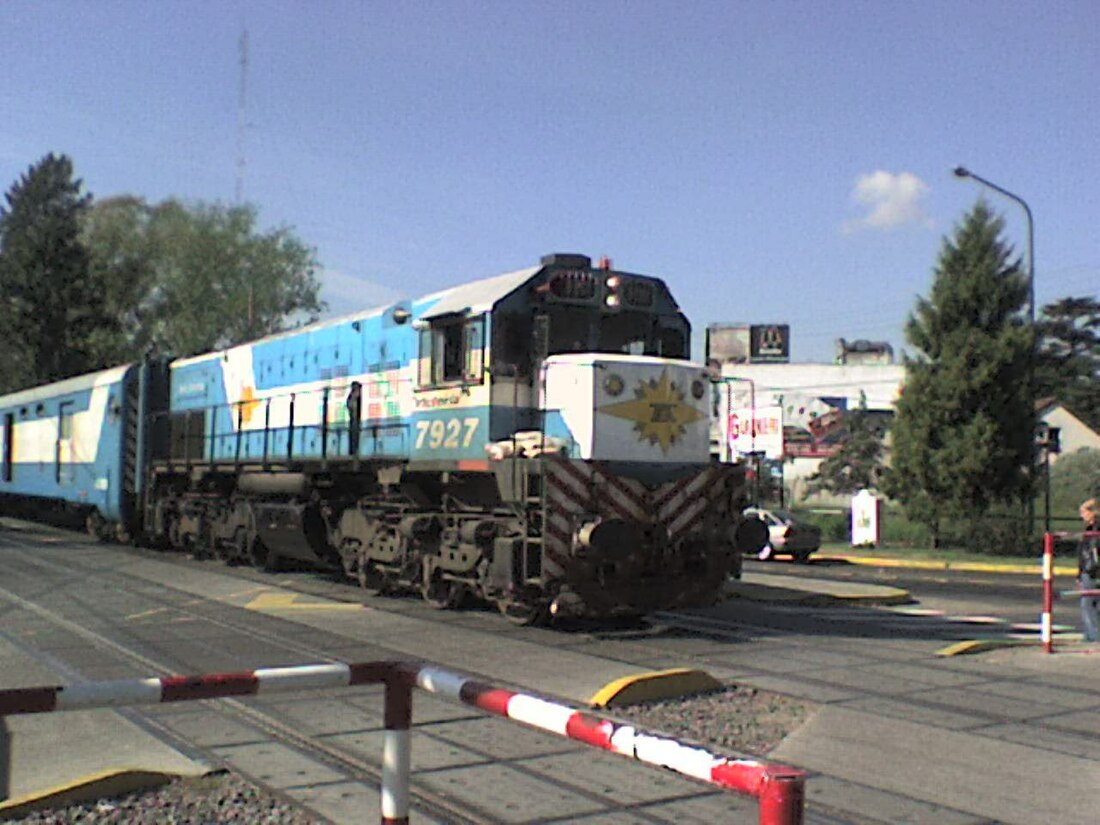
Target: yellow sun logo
{"x":658,"y":410}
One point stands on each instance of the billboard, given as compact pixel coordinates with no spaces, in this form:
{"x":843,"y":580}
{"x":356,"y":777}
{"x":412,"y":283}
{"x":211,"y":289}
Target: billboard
{"x":753,"y":429}
{"x":728,"y":344}
{"x":770,"y":343}
{"x":748,"y":343}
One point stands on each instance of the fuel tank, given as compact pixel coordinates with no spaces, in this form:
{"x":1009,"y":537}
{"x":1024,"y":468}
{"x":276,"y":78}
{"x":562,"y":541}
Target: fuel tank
{"x":293,"y":530}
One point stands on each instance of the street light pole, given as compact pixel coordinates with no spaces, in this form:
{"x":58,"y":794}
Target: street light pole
{"x":963,"y":172}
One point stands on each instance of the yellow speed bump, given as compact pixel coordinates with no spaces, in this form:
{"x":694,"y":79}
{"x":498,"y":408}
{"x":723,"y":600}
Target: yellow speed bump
{"x":293,"y":601}
{"x":653,"y":686}
{"x":981,"y":646}
{"x":103,"y":784}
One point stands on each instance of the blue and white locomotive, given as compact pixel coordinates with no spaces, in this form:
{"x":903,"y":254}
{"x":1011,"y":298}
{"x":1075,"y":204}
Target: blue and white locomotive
{"x":538,"y":440}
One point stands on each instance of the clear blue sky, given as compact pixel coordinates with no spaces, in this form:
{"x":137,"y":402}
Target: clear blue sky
{"x":774,"y":162}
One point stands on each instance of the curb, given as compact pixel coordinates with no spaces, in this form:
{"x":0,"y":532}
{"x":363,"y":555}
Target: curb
{"x":982,"y":646}
{"x":1034,"y":569}
{"x":818,"y":598}
{"x":108,"y":783}
{"x":653,"y":686}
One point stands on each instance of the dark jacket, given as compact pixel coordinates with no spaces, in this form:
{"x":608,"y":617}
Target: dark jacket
{"x":1088,"y":552}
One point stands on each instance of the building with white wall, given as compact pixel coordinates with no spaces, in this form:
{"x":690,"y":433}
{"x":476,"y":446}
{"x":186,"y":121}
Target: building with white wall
{"x":811,"y":400}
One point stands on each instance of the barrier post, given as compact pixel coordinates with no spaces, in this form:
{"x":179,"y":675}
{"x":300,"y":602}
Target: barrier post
{"x":396,"y":751}
{"x":1046,"y":624}
{"x":782,"y":800}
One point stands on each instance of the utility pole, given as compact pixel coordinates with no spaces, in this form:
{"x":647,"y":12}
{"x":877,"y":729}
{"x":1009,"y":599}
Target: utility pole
{"x":242,"y":114}
{"x":242,"y":123}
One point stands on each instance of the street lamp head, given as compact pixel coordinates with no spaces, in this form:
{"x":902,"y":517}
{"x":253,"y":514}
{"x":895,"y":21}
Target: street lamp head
{"x":962,"y":172}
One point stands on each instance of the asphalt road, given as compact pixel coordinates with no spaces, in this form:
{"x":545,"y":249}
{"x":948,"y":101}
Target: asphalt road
{"x":1014,"y":597}
{"x":899,"y":732}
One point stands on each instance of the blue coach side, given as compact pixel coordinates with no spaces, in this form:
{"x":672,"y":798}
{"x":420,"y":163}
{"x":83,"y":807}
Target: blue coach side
{"x":73,"y":442}
{"x":381,"y":383}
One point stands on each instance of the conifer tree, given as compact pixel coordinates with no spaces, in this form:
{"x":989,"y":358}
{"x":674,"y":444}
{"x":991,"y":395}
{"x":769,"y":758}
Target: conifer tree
{"x":1069,"y":356}
{"x":50,"y":307}
{"x":963,"y":433}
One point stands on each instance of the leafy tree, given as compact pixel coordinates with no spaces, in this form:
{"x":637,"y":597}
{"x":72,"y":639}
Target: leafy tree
{"x":963,"y":432}
{"x":857,"y":462}
{"x":183,"y":279}
{"x":1074,"y":477}
{"x":50,"y":306}
{"x":122,"y":263}
{"x":1069,"y":356}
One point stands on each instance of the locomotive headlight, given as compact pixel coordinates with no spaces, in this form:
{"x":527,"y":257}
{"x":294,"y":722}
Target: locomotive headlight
{"x":697,"y":389}
{"x":614,"y":384}
{"x":612,"y":300}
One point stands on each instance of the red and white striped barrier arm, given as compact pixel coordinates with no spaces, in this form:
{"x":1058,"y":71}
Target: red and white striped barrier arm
{"x":778,"y":788}
{"x":130,"y":692}
{"x":1080,"y":594}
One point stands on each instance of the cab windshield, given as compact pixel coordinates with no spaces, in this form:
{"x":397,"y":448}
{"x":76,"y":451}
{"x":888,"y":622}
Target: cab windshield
{"x":631,"y":333}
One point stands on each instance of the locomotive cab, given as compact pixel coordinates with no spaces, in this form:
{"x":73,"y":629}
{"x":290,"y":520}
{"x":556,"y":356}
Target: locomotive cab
{"x":591,"y":375}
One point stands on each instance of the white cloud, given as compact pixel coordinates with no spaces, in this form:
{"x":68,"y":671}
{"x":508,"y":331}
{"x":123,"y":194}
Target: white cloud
{"x":891,"y":200}
{"x":345,"y":293}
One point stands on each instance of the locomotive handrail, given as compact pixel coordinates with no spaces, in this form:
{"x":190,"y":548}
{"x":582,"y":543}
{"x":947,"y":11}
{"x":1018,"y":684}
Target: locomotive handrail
{"x":779,"y":789}
{"x":189,"y":445}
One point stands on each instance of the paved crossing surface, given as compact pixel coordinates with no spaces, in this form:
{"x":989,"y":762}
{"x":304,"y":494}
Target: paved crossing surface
{"x":899,"y":733}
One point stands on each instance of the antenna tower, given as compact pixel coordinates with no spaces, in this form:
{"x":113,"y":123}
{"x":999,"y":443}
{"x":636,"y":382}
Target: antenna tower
{"x":242,"y":115}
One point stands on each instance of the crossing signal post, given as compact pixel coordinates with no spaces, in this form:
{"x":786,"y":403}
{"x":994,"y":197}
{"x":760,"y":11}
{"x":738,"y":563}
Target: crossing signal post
{"x":1049,"y":440}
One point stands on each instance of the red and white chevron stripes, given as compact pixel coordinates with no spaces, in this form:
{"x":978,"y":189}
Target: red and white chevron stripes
{"x":580,"y":487}
{"x":779,"y":789}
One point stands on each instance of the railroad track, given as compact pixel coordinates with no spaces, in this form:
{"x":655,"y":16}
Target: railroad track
{"x":639,"y":646}
{"x":30,"y":567}
{"x":347,"y":764}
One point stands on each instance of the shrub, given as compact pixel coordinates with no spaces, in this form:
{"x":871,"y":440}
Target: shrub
{"x":834,"y":526}
{"x":898,"y":531}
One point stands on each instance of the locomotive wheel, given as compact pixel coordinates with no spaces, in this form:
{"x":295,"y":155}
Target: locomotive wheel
{"x":372,"y":582}
{"x":95,"y":525}
{"x":262,"y":557}
{"x":236,"y":551}
{"x":443,"y":594}
{"x":533,"y":610}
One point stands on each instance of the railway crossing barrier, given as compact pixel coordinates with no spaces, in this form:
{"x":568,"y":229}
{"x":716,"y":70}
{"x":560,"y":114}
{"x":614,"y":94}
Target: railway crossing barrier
{"x":1046,"y":621}
{"x":778,"y":789}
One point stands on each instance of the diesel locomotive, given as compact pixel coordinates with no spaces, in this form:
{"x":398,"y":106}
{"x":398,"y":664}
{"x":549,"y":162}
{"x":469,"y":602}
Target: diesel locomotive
{"x":538,"y":440}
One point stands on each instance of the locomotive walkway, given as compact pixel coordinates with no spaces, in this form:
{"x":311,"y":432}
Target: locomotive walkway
{"x":898,"y":734}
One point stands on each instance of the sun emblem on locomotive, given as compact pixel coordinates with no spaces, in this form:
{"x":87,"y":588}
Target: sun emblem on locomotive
{"x":658,"y":410}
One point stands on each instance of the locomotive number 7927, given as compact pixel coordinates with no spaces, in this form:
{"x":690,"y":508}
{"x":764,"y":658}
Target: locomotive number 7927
{"x":449,"y":434}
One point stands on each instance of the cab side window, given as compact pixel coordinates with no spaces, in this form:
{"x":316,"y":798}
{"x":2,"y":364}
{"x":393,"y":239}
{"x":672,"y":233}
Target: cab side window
{"x":452,"y":350}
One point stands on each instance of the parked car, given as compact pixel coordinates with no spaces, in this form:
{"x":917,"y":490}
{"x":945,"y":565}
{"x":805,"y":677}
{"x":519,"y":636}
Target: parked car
{"x":787,"y":535}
